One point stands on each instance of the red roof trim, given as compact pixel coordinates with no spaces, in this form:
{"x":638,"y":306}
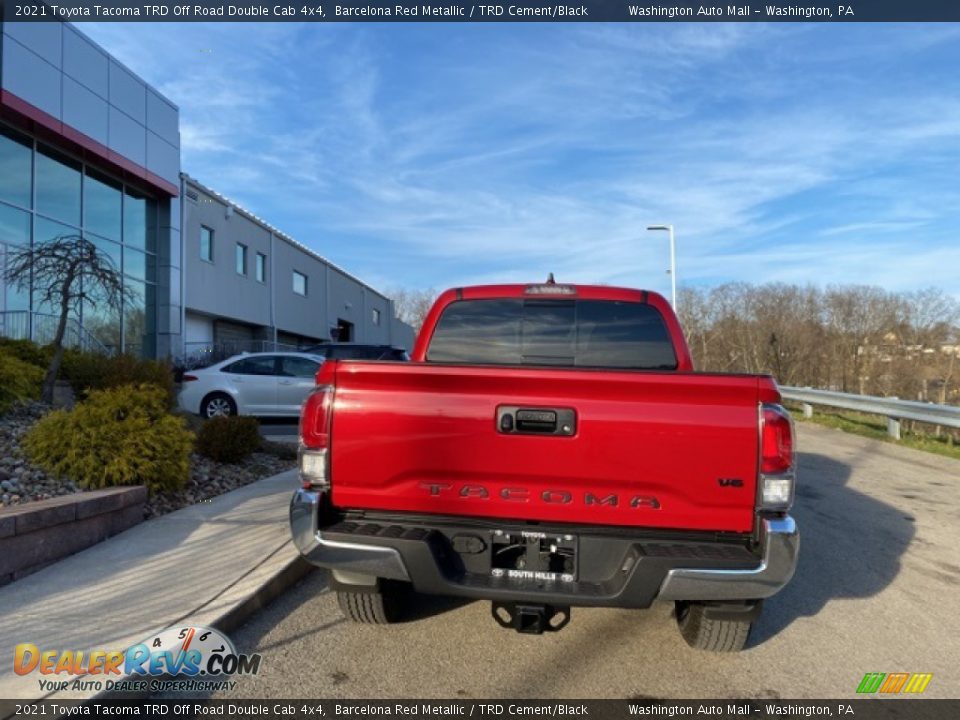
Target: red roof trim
{"x":47,"y":127}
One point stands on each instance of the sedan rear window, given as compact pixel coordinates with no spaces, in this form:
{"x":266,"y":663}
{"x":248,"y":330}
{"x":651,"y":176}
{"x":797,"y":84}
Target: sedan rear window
{"x":293,"y":366}
{"x":563,"y":333}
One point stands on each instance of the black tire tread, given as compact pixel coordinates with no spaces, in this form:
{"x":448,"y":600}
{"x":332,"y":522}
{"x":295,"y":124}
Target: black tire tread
{"x":703,"y":633}
{"x":370,"y":608}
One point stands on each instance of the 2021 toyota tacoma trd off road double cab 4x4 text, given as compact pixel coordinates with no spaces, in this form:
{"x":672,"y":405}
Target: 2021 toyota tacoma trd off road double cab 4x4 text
{"x":549,"y":446}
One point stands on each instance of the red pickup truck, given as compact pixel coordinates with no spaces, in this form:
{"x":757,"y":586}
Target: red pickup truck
{"x":549,"y":446}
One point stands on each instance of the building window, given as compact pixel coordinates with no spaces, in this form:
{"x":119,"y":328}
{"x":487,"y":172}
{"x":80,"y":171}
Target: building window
{"x":206,"y":243}
{"x":102,"y":205}
{"x":58,"y":186}
{"x":376,"y":316}
{"x":46,"y":194}
{"x":261,"y":267}
{"x":299,"y":283}
{"x":16,"y":159}
{"x":241,"y":259}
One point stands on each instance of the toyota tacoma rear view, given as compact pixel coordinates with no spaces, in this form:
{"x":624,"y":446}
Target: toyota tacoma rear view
{"x":549,"y":446}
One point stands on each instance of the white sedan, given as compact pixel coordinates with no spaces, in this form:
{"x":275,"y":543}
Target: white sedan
{"x":260,"y":384}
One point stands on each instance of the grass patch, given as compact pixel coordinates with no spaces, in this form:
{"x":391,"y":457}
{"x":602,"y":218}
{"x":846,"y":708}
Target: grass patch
{"x":875,"y":427}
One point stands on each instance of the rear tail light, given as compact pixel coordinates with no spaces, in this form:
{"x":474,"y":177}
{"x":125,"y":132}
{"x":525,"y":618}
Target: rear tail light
{"x":313,"y":456}
{"x":776,"y":458}
{"x":315,"y":418}
{"x":777,"y":440}
{"x":190,"y":378}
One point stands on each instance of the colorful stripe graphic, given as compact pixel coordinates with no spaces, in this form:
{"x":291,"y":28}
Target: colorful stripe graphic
{"x":892,"y":683}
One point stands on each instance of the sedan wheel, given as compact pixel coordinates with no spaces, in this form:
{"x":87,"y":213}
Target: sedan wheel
{"x":219,"y":406}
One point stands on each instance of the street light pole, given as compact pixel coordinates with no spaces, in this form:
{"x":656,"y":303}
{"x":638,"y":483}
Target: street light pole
{"x":673,"y":262}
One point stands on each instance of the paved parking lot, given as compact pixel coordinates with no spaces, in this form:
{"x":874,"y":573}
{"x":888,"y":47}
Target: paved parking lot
{"x":877,"y":590}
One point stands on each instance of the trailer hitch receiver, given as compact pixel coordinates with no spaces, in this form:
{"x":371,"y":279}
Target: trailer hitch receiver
{"x":529,"y":618}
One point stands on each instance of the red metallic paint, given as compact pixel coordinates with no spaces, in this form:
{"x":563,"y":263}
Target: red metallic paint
{"x":398,"y":430}
{"x":422,"y":437}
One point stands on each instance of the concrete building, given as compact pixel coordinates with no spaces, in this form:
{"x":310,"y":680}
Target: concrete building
{"x":88,"y":148}
{"x":248,"y":286}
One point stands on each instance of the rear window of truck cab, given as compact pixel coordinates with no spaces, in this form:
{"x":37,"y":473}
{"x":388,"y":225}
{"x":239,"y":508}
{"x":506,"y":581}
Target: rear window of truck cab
{"x":553,"y":332}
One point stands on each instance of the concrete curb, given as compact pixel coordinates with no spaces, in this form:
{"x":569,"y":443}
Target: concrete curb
{"x":288,"y":576}
{"x":213,"y":564}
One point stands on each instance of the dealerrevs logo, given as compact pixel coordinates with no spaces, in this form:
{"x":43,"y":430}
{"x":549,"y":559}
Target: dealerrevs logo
{"x":190,"y":659}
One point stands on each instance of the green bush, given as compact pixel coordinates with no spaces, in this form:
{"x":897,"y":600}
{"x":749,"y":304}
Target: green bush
{"x":229,"y":439}
{"x":88,"y":371}
{"x":280,"y":450}
{"x":119,"y":436}
{"x":26,"y":351}
{"x":18,"y":381}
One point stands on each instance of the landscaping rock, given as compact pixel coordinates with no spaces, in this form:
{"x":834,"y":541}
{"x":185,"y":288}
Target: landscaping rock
{"x":21,"y":482}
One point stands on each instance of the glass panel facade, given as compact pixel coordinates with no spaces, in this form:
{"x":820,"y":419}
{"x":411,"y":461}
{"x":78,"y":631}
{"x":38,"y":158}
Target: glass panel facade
{"x":14,"y":297}
{"x":107,"y":247}
{"x":101,"y":205}
{"x":66,"y":198}
{"x":16,"y":175}
{"x":58,"y":186}
{"x":46,"y":231}
{"x":103,"y":322}
{"x":139,"y":318}
{"x":14,"y":226}
{"x":139,"y":221}
{"x":134,"y":263}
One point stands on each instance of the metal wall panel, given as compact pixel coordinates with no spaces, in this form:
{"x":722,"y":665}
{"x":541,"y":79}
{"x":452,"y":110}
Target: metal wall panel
{"x":163,"y":159}
{"x":30,"y":77}
{"x":127,"y":137}
{"x":86,"y":63}
{"x":85,"y":111}
{"x":163,"y":118}
{"x":128,"y":92}
{"x":43,"y":38}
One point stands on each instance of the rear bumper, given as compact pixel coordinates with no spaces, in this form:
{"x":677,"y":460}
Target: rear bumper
{"x":615,"y":568}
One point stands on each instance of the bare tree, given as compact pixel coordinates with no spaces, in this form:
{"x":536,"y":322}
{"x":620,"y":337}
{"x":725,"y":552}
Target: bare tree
{"x":853,"y":338}
{"x":65,"y":273}
{"x":412,"y":305}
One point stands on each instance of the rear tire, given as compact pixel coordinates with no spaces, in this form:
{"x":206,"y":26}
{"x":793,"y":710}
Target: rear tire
{"x":380,"y":607}
{"x":217,"y":404}
{"x":703,"y":633}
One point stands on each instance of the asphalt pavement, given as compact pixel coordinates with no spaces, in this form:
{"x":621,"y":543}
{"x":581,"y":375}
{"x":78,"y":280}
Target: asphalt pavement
{"x":877,"y":589}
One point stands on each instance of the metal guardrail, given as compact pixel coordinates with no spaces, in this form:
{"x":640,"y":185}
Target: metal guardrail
{"x":893,"y":409}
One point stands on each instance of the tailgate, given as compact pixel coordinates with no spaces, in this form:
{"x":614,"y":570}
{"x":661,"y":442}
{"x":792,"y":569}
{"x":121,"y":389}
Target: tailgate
{"x":647,"y":449}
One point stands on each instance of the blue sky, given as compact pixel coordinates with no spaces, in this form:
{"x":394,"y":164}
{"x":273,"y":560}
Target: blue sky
{"x":436,"y":155}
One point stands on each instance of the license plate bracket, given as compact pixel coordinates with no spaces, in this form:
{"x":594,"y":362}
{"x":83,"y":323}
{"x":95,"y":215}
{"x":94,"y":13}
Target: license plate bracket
{"x":533,"y":555}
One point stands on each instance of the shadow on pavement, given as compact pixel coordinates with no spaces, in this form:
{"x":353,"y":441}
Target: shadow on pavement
{"x":850,"y":545}
{"x":421,"y":607}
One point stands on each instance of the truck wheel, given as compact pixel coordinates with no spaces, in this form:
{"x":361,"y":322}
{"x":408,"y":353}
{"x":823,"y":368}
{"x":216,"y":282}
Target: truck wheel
{"x":704,"y":633}
{"x":379,"y":607}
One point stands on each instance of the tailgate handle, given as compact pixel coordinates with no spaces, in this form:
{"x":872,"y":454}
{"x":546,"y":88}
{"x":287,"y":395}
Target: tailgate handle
{"x":514,"y":420}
